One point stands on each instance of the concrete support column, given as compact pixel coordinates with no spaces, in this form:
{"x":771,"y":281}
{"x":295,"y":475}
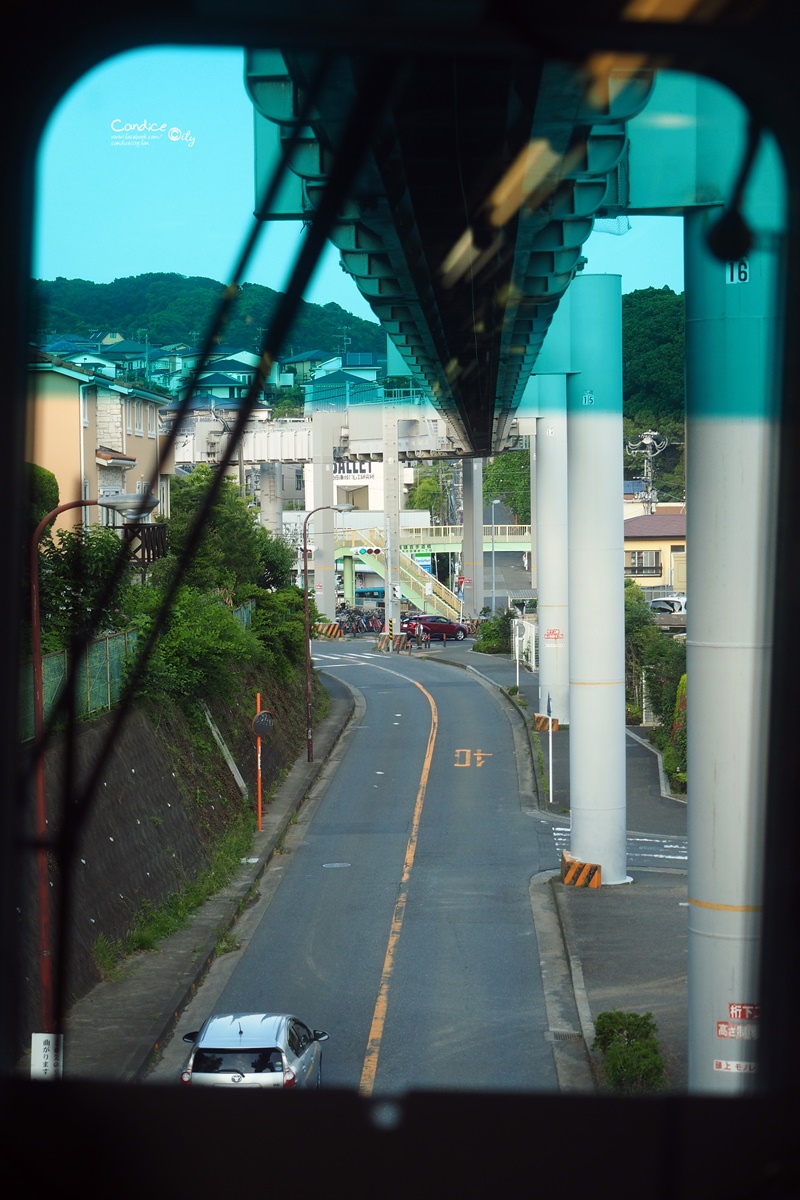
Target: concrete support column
{"x":596,"y":603}
{"x":326,"y":426}
{"x":391,"y":506}
{"x":732,"y":468}
{"x":271,"y":501}
{"x":533,"y":557}
{"x":472,"y":553}
{"x":552,"y":533}
{"x":349,"y":579}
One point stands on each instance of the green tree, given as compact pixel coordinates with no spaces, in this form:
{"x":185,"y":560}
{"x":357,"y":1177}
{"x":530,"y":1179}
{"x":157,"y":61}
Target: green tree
{"x":42,"y":494}
{"x":640,"y":633}
{"x":663,"y":670}
{"x":508,"y":478}
{"x":235,"y":554}
{"x":279,"y":625}
{"x":652,"y":356}
{"x":290,"y":403}
{"x":75,"y":568}
{"x":427,"y":493}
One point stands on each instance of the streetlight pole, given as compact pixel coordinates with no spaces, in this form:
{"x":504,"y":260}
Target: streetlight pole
{"x":46,"y":1017}
{"x":494,"y":601}
{"x":309,"y":700}
{"x":137,"y":505}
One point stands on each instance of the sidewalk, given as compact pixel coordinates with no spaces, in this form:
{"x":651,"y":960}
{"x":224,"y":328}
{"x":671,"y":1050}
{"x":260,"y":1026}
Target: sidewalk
{"x":619,"y":947}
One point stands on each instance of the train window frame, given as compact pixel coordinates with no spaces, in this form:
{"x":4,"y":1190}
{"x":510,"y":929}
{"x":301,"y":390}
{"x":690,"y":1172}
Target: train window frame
{"x":718,"y":53}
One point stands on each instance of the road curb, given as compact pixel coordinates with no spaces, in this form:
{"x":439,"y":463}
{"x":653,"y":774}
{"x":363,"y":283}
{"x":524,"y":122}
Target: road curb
{"x":576,"y":974}
{"x":566,"y":1022}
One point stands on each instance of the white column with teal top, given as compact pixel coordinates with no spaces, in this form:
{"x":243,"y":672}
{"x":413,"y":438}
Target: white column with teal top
{"x":472,"y":552}
{"x":552,"y":506}
{"x":596,"y":578}
{"x":732,"y":432}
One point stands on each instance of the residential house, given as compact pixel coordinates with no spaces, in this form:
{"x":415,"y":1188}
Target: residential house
{"x":339,"y":390}
{"x":302,"y":366}
{"x":235,"y":362}
{"x":98,"y":437}
{"x":655,"y":550}
{"x":224,"y":386}
{"x":96,"y":360}
{"x":68,"y":344}
{"x":173,"y":365}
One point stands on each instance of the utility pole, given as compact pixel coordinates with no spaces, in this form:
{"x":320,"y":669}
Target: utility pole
{"x":650,"y":444}
{"x":146,"y":333}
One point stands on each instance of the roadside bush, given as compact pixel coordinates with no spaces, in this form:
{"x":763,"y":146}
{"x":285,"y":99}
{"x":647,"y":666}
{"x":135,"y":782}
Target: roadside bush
{"x":494,"y":636}
{"x":641,"y":640}
{"x":279,"y":625}
{"x":678,"y":732}
{"x":637,"y":1067}
{"x":663,"y":669}
{"x":197,"y":648}
{"x":632,"y":1059}
{"x":622,"y":1027}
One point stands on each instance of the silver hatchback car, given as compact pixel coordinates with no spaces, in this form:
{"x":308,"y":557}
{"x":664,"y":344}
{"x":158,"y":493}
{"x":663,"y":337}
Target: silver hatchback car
{"x":265,"y":1050}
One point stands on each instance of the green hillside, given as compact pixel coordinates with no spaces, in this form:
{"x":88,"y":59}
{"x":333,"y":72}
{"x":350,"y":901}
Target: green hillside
{"x":175,"y":308}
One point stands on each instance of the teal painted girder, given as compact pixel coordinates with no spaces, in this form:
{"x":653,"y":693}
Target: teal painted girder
{"x":449,"y":137}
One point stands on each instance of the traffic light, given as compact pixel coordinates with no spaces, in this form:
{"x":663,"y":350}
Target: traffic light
{"x":368,"y":550}
{"x":396,"y":592}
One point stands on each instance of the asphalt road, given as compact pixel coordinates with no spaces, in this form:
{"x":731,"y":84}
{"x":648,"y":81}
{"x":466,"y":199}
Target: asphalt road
{"x":399,"y":918}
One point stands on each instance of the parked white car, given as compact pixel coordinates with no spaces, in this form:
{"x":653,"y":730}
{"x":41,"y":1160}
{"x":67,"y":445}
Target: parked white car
{"x":669,"y":606}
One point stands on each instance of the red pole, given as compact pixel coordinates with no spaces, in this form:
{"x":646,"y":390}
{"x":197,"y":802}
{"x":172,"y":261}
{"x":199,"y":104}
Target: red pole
{"x":309,"y":715}
{"x":46,"y":1015}
{"x":309,"y":699}
{"x":258,"y":761}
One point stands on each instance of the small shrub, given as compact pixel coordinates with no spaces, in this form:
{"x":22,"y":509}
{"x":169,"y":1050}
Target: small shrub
{"x":671,"y":766}
{"x":632,"y":1058}
{"x":494,"y":635}
{"x":622,"y":1027}
{"x":637,"y":1067}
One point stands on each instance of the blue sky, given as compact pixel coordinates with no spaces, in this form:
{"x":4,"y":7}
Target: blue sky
{"x":179,"y":196}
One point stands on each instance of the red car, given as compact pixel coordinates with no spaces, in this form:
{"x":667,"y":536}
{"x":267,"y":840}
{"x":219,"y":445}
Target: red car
{"x":437,"y":627}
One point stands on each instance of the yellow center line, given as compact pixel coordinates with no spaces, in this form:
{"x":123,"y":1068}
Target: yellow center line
{"x":370,"y":1067}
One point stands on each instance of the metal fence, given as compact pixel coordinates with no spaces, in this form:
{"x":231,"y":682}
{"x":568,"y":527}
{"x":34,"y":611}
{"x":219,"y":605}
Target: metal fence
{"x":244,"y":613}
{"x":98,"y":680}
